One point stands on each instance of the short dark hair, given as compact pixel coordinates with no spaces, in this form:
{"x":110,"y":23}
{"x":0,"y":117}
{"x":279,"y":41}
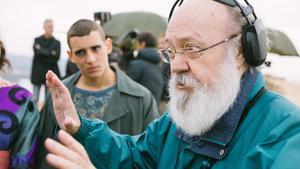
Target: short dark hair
{"x":3,"y":60}
{"x":148,"y":38}
{"x":84,"y":27}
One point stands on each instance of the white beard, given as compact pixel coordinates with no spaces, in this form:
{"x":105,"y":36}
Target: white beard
{"x":196,"y":112}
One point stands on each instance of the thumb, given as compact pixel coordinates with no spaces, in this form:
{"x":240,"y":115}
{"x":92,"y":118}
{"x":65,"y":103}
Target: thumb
{"x":70,"y":126}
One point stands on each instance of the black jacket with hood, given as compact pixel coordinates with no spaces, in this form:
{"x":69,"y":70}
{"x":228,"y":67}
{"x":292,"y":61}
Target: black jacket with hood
{"x":145,"y":70}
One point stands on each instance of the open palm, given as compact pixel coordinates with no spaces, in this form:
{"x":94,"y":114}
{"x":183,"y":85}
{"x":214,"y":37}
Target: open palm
{"x":64,"y":109}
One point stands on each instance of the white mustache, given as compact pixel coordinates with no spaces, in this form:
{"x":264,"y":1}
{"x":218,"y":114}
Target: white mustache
{"x":184,"y":79}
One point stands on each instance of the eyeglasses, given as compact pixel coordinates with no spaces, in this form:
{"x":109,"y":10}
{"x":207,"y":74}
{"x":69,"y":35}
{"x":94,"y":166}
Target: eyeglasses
{"x":189,"y":53}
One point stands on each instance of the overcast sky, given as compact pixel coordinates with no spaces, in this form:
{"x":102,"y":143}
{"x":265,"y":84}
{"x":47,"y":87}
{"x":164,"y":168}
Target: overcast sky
{"x":21,"y":20}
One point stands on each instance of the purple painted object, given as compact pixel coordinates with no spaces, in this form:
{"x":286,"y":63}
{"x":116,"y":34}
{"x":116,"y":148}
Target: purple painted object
{"x":16,"y":107}
{"x":5,"y":101}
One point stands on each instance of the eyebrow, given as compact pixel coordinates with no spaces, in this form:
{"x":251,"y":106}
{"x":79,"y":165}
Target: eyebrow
{"x":84,"y":49}
{"x":187,"y":38}
{"x":95,"y":46}
{"x":78,"y":50}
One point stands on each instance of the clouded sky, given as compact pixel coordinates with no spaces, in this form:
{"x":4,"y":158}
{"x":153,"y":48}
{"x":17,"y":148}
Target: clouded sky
{"x":21,"y":20}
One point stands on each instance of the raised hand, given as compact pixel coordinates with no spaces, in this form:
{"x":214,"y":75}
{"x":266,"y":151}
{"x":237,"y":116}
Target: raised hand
{"x":64,"y":109}
{"x":67,"y":154}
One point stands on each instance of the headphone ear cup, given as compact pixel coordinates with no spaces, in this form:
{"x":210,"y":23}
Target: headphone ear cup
{"x":254,"y":43}
{"x":249,"y":44}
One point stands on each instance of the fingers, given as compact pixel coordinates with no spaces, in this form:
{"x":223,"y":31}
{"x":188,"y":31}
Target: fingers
{"x":59,"y":84}
{"x":61,"y":151}
{"x":72,"y":144}
{"x":69,"y":154}
{"x":59,"y":162}
{"x":49,"y":77}
{"x":37,"y":46}
{"x":54,"y":84}
{"x":52,"y":81}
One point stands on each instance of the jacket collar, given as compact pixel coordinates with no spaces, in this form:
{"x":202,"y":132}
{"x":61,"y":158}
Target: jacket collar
{"x":215,"y":143}
{"x":127,"y":85}
{"x":124,"y":83}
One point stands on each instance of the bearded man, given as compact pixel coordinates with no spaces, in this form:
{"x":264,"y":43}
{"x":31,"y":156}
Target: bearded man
{"x":221,"y":116}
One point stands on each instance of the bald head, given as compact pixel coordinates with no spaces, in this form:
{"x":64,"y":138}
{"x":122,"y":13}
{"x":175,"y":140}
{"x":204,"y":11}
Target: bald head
{"x":208,"y":18}
{"x":203,"y":24}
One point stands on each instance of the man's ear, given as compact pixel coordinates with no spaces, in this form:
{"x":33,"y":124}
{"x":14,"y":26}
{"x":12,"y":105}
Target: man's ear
{"x":108,"y":44}
{"x":240,"y":60}
{"x":241,"y":63}
{"x":71,"y":58}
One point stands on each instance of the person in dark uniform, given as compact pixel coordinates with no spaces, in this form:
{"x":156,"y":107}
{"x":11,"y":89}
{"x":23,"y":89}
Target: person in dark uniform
{"x":46,"y":55}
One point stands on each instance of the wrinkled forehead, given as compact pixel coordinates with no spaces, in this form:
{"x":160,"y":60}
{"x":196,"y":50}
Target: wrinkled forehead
{"x":199,"y":19}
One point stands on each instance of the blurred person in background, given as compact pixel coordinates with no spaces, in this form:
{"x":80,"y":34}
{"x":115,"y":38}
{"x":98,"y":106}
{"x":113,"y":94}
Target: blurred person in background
{"x":166,"y":73}
{"x":98,"y":90}
{"x":145,"y":68}
{"x":46,"y":55}
{"x":128,"y":44}
{"x":19,"y":120}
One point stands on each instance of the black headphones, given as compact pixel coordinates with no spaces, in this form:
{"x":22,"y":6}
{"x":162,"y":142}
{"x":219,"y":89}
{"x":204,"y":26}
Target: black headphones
{"x":254,"y":38}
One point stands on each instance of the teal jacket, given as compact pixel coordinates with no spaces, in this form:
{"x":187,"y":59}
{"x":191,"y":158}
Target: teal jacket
{"x":268,"y":137}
